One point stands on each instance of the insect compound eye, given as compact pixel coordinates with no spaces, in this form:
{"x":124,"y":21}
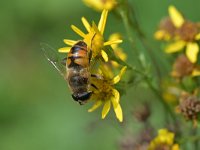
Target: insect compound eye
{"x":82,"y":97}
{"x":75,"y":97}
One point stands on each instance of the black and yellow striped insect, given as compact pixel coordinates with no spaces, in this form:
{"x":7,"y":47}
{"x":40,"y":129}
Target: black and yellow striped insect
{"x":76,"y":69}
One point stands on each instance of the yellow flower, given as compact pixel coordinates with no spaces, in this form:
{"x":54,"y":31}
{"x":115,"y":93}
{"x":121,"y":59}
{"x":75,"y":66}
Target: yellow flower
{"x":184,"y":67}
{"x":166,"y":30}
{"x":171,"y":91}
{"x":99,"y":5}
{"x":181,"y":32}
{"x":164,"y":140}
{"x":94,"y":38}
{"x":187,"y":33}
{"x":118,"y":51}
{"x":106,"y":94}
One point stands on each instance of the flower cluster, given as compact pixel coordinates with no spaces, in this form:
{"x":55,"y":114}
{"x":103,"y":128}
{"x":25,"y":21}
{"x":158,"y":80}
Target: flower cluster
{"x":104,"y":91}
{"x":182,"y":35}
{"x":94,"y":38}
{"x":164,"y":140}
{"x":183,"y":38}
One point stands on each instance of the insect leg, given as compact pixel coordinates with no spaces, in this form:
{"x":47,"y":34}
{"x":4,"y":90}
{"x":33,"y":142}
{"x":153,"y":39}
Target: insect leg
{"x":64,"y":61}
{"x":96,"y":76}
{"x":94,"y":86}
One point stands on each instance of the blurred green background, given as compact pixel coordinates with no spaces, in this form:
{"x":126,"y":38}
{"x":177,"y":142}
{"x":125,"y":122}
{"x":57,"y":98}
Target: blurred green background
{"x":36,"y":108}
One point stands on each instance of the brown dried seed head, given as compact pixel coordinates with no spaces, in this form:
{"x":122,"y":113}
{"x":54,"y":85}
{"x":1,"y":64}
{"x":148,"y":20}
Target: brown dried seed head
{"x":139,"y":142}
{"x":167,"y":25}
{"x":189,"y":106}
{"x":146,"y":135}
{"x":142,"y":113}
{"x":188,"y":31}
{"x":127,"y":143}
{"x":182,"y":67}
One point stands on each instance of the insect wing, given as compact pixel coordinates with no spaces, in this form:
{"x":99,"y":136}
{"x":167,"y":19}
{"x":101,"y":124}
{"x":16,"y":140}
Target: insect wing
{"x":53,"y":57}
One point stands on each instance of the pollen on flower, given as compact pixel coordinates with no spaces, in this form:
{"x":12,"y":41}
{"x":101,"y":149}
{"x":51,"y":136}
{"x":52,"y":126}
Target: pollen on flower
{"x":105,"y":94}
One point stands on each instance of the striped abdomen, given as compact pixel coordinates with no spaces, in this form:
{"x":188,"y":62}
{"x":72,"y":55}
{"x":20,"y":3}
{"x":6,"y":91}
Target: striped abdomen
{"x":78,"y":73}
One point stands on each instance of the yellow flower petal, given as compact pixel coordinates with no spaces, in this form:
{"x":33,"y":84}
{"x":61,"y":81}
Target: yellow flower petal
{"x":161,"y":35}
{"x":158,"y":35}
{"x":104,"y":55}
{"x":95,"y":28}
{"x":118,"y":113}
{"x":196,"y":72}
{"x":175,"y":147}
{"x":116,"y":105}
{"x":106,"y":72}
{"x":106,"y":109}
{"x":165,"y":136}
{"x":95,"y":106}
{"x":112,"y":42}
{"x":99,"y":5}
{"x":78,"y":31}
{"x":64,"y":50}
{"x":176,"y":16}
{"x":70,"y":42}
{"x":115,"y":98}
{"x":115,"y":64}
{"x":117,"y":78}
{"x":175,"y":47}
{"x":197,"y":37}
{"x":120,"y":53}
{"x":192,"y":50}
{"x":113,"y":37}
{"x":86,"y":24}
{"x":88,"y":38}
{"x":96,"y":4}
{"x":102,"y":21}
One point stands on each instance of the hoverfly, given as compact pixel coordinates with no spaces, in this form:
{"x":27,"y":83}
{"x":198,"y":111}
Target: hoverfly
{"x":75,"y":69}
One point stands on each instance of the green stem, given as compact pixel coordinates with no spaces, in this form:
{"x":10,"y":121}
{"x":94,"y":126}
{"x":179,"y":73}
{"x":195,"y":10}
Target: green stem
{"x":131,"y":24}
{"x":191,"y":139}
{"x":135,"y":52}
{"x":196,"y":142}
{"x":157,"y":94}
